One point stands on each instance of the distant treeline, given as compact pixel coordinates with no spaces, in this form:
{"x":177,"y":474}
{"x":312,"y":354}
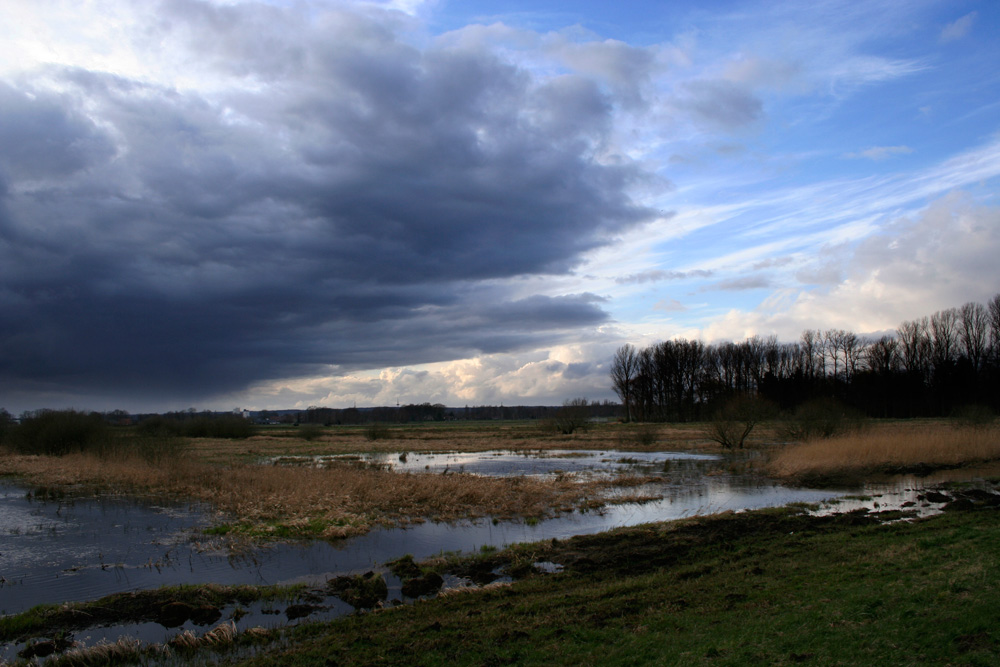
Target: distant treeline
{"x":437,"y":412}
{"x":930,"y":367}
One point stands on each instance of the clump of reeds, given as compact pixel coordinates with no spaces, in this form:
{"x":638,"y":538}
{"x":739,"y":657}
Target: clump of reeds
{"x":897,"y":449}
{"x":125,"y":650}
{"x":223,"y":634}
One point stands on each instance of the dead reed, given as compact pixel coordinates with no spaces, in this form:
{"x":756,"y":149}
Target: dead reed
{"x":895,"y":448}
{"x":332,"y":502}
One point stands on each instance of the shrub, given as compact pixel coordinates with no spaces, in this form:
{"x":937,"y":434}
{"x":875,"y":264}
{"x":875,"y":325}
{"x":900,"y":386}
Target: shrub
{"x":821,"y":418}
{"x":158,"y":426}
{"x":572,"y":416}
{"x":735,"y":420}
{"x":225,"y":426}
{"x":310,"y":432}
{"x":57,"y":432}
{"x":377,"y":431}
{"x":6,"y":425}
{"x":974,"y":416}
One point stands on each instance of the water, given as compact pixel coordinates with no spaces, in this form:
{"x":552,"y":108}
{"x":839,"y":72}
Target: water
{"x":80,"y":549}
{"x":506,"y":463}
{"x":60,"y":550}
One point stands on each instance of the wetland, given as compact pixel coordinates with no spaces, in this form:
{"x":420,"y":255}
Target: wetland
{"x":82,"y":542}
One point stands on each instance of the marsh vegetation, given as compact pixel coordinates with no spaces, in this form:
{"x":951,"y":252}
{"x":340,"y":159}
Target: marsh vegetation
{"x":259,"y":500}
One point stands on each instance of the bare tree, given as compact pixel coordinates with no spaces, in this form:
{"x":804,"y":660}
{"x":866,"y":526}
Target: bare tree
{"x":624,"y":367}
{"x":914,"y":346}
{"x":834,"y":341}
{"x":812,"y":343}
{"x":852,"y":347}
{"x":994,"y":323}
{"x":973,"y":332}
{"x":882,"y":356}
{"x":944,"y":335}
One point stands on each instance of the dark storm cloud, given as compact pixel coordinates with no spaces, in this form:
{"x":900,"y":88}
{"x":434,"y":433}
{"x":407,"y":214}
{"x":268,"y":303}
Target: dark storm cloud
{"x":348,"y":200}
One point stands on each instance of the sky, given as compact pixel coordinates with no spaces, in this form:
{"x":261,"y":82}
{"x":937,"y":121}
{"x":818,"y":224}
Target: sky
{"x":291,"y":203}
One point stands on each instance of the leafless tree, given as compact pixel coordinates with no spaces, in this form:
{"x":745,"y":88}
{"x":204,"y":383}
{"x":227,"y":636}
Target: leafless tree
{"x":944,"y":335}
{"x":915,"y":346}
{"x":624,"y":367}
{"x":812,"y":352}
{"x":973,"y":333}
{"x":994,"y":322}
{"x":882,"y":356}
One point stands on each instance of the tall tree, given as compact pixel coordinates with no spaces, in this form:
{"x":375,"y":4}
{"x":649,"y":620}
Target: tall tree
{"x":973,"y":333}
{"x":624,"y":367}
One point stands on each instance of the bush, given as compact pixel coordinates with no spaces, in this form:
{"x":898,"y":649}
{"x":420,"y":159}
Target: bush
{"x":159,"y":426}
{"x":226,"y":426}
{"x":641,"y":435}
{"x":974,"y":416}
{"x":376,"y":431}
{"x":310,"y":432}
{"x":821,"y":418}
{"x":58,"y":432}
{"x":734,"y":422}
{"x":572,"y":416}
{"x":6,"y":425}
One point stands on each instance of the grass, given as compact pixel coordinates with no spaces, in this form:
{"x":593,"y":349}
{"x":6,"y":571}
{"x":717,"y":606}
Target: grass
{"x":132,"y":607}
{"x":288,"y":502}
{"x":771,"y":587}
{"x":898,"y":447}
{"x":341,"y":500}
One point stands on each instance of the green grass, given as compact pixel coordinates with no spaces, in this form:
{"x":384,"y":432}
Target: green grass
{"x":132,"y":607}
{"x":772,"y":587}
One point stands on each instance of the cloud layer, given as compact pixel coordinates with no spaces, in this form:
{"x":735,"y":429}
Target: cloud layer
{"x":324,"y":194}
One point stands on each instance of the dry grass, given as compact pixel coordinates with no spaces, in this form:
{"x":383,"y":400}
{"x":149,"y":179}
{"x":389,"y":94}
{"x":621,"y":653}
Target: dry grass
{"x":891,"y":448}
{"x":342,"y":500}
{"x":337,"y":501}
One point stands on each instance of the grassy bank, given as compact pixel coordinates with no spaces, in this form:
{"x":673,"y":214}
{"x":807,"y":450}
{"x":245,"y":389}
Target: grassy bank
{"x":771,"y":587}
{"x":889,"y":448}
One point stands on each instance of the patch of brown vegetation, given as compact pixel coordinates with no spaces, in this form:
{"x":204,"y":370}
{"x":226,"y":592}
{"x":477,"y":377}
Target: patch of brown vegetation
{"x":897,"y":447}
{"x":332,"y":502}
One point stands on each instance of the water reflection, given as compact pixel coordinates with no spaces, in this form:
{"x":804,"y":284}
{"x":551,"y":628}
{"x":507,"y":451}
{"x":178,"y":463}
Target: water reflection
{"x":506,"y":463}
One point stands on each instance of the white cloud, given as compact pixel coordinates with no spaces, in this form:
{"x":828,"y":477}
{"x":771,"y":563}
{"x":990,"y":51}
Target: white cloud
{"x":940,"y":258}
{"x":958,"y":28}
{"x":878,"y":153}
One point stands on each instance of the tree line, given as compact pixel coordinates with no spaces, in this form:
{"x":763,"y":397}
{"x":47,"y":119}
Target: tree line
{"x":930,"y":366}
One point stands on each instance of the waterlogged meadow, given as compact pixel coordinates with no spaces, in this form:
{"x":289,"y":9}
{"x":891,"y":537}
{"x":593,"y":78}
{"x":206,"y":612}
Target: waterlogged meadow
{"x":318,"y":521}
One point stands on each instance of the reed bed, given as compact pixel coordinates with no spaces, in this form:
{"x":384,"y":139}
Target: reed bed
{"x":900,"y":448}
{"x":333,"y":502}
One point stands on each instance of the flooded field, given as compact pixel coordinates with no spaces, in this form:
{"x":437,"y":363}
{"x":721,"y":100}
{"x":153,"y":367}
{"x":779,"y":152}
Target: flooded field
{"x":59,"y":549}
{"x":505,"y":463}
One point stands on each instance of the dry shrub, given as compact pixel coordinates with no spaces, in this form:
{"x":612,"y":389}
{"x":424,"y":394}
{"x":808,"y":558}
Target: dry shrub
{"x":900,"y":448}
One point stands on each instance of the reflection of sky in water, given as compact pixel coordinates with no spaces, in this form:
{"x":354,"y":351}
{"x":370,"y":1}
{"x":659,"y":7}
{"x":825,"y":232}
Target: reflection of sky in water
{"x":503,"y":463}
